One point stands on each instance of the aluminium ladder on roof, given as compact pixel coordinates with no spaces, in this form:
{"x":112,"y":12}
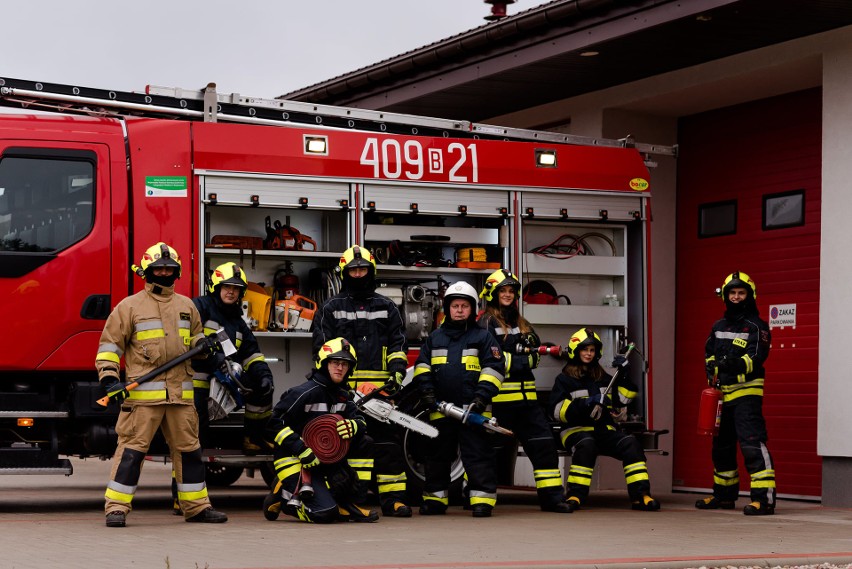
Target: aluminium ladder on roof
{"x":208,"y":105}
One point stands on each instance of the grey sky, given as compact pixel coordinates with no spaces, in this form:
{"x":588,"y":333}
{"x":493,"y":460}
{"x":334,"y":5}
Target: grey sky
{"x":252,"y":47}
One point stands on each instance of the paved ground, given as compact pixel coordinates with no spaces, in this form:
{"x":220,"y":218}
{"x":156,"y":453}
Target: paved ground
{"x":50,"y":521}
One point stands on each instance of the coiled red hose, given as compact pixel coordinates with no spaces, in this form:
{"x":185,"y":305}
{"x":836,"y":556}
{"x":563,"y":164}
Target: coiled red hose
{"x":321,"y":435}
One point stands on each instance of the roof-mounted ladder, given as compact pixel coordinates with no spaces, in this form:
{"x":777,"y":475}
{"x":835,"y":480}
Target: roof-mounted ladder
{"x":210,"y":106}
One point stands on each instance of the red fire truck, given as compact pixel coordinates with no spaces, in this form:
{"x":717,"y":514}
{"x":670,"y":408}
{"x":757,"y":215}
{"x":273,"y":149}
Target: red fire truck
{"x":88,"y":185}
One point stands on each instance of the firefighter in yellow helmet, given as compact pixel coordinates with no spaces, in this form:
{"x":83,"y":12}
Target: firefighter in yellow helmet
{"x":733,"y":355}
{"x":337,"y":493}
{"x":221,"y":308}
{"x":149,"y":329}
{"x":516,"y":406}
{"x":587,"y":416}
{"x":373,"y":325}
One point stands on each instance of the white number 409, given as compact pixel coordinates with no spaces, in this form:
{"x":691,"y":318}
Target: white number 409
{"x":394,"y":161}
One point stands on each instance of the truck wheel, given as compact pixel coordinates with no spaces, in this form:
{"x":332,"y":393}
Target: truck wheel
{"x":267,"y":472}
{"x":222,"y":475}
{"x":414,"y":448}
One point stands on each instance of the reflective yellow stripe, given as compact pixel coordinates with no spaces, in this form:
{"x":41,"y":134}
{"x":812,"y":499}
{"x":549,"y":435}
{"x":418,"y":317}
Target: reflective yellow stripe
{"x":482,"y":500}
{"x":763,"y":483}
{"x":439,"y":360}
{"x":504,"y":397}
{"x":444,"y":501}
{"x":201,"y":383}
{"x":384,"y":488}
{"x":197,"y":495}
{"x":148,"y":334}
{"x":187,"y":394}
{"x":118,"y":496}
{"x":108,"y":356}
{"x":636,"y":477}
{"x":283,"y":434}
{"x":490,"y":379}
{"x":142,"y":395}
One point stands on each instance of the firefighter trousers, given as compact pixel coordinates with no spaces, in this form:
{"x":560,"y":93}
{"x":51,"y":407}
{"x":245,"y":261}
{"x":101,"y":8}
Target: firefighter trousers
{"x":526,"y":419}
{"x":388,"y":462}
{"x":136,"y":427}
{"x":330,"y":485}
{"x":742,"y":422}
{"x":586,"y":446}
{"x":478,"y":456}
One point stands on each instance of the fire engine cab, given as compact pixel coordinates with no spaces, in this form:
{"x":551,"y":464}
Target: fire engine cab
{"x":282,"y":188}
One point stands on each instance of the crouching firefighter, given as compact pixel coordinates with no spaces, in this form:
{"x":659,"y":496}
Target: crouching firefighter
{"x":582,"y":404}
{"x":152,"y":328}
{"x":308,"y":489}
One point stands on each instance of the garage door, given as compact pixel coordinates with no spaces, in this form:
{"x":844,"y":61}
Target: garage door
{"x":749,"y":200}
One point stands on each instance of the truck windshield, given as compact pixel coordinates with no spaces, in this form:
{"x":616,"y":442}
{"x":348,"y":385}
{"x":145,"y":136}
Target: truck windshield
{"x":45,"y":202}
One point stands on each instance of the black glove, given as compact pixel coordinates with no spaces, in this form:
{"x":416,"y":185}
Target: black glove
{"x":477,"y":405}
{"x":595,"y":404}
{"x":267,"y":387}
{"x":596,"y":399}
{"x":428,"y":399}
{"x":212,"y":344}
{"x":308,"y":458}
{"x":115,"y":389}
{"x":394,"y":383}
{"x":619,"y":361}
{"x":710,"y":370}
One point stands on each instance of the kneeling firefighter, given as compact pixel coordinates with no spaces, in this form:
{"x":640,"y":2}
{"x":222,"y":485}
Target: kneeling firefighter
{"x":580,"y":402}
{"x":335,"y":491}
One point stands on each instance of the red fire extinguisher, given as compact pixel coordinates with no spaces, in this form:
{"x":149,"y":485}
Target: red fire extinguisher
{"x":710,"y":411}
{"x":285,"y":282}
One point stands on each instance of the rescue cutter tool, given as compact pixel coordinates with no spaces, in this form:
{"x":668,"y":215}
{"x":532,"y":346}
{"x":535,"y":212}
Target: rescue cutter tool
{"x":598,"y":410}
{"x":221,"y":336}
{"x":385,"y":411}
{"x":464,"y":415}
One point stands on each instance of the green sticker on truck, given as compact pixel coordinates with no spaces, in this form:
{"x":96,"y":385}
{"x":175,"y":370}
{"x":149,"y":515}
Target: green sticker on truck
{"x":165,"y":187}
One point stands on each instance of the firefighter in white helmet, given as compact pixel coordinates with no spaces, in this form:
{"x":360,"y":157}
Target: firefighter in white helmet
{"x":516,"y":406}
{"x":734,"y":354}
{"x":373,"y":325}
{"x":463,"y":364}
{"x":151,"y":328}
{"x":587,"y":413}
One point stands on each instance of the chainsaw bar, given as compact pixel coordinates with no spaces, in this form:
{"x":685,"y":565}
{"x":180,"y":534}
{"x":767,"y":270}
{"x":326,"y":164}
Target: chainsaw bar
{"x":385,"y":412}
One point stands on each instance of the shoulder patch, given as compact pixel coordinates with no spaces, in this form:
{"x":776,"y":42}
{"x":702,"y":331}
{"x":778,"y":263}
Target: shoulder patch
{"x":185,"y":316}
{"x":496,"y":352}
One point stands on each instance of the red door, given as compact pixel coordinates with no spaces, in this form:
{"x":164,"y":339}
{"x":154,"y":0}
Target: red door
{"x":748,"y":159}
{"x":56,"y":240}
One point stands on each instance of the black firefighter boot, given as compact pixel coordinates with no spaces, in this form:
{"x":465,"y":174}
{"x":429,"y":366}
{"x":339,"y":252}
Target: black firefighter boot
{"x":208,"y":516}
{"x":254,"y":441}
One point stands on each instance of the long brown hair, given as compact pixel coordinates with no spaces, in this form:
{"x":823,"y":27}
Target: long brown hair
{"x":577,"y":371}
{"x":494,"y":312}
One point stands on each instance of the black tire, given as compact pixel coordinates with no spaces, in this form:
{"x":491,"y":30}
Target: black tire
{"x":222,"y":475}
{"x":414,"y":448}
{"x":267,"y":472}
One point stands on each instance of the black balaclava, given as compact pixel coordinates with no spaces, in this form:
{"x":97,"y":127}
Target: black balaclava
{"x":360,"y":288}
{"x":747,"y":307}
{"x":161,"y":281}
